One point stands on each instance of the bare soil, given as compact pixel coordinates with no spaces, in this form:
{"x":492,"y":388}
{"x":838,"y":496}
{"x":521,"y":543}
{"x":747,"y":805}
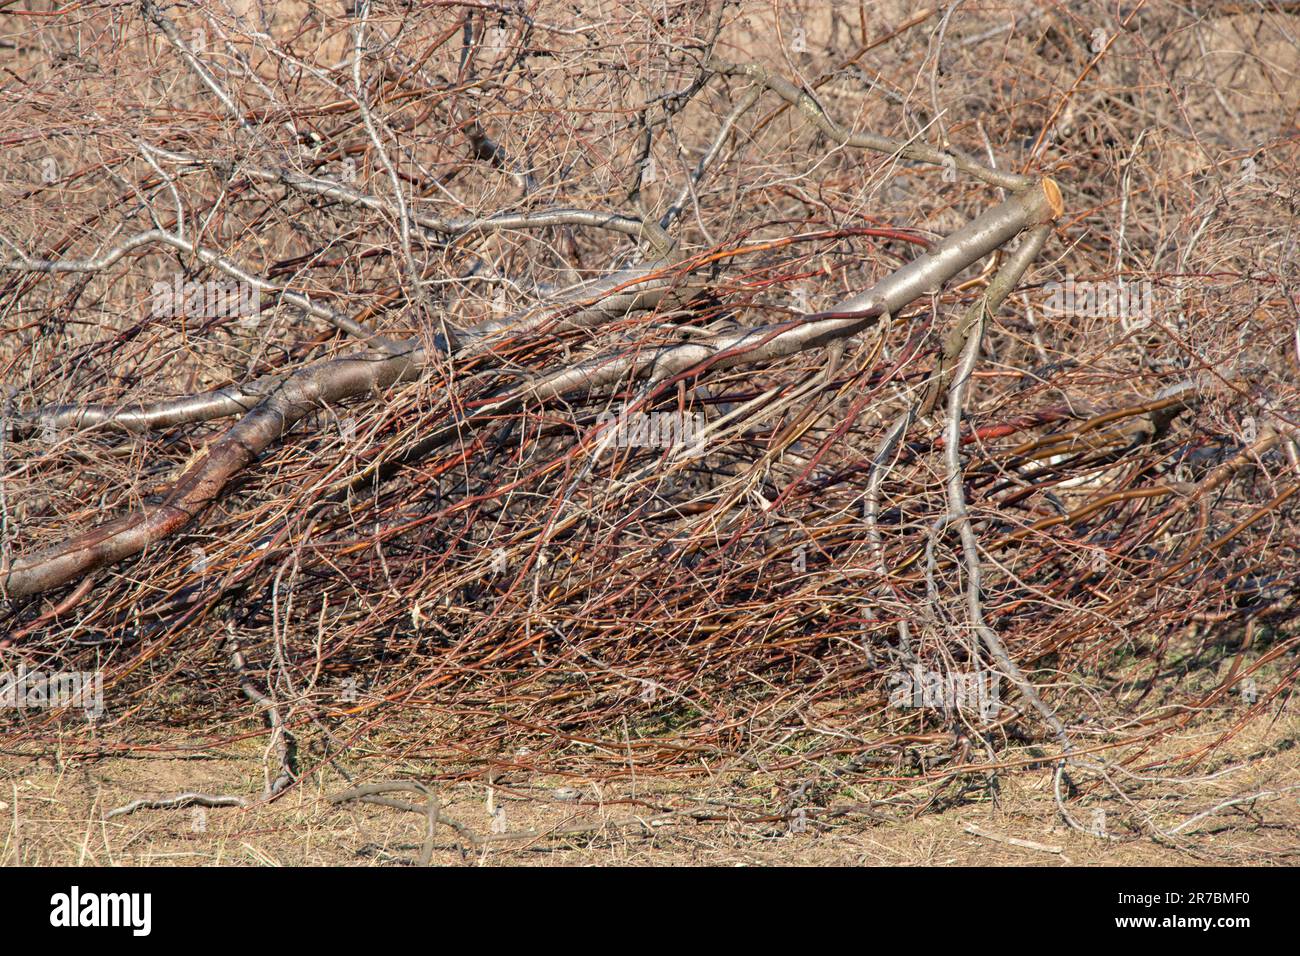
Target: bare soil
{"x":53,"y":812}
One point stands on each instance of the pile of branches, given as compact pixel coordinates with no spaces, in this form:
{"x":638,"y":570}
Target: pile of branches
{"x":668,"y":386}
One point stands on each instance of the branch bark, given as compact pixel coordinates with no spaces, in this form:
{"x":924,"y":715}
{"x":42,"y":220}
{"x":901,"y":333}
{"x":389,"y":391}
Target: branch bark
{"x":336,"y":380}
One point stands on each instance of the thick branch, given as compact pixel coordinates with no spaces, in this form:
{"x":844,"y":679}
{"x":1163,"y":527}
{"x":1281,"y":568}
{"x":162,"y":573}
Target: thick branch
{"x":324,"y":383}
{"x":336,"y":380}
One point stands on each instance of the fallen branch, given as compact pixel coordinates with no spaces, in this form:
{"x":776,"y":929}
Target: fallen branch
{"x":336,"y":380}
{"x":979,"y":831}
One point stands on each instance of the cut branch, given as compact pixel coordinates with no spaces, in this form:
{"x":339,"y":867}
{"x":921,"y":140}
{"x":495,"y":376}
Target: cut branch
{"x":339,"y":379}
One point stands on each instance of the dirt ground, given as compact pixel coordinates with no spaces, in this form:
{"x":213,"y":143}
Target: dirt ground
{"x":53,"y":812}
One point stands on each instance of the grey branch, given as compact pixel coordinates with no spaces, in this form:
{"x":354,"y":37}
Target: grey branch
{"x":25,"y":263}
{"x":335,"y":380}
{"x":1001,"y":286}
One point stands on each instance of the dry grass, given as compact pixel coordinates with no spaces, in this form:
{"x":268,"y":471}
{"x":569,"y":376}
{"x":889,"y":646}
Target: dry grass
{"x":53,"y":807}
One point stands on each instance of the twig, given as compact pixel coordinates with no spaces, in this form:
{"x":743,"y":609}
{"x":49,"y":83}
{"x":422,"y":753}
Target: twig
{"x":979,"y":831}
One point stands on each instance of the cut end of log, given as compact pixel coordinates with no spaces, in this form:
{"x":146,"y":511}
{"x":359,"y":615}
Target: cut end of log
{"x":1054,"y":200}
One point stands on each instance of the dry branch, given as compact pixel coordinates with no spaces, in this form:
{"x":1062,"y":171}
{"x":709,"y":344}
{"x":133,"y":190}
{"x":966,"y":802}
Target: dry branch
{"x":334,"y":381}
{"x":632,"y":458}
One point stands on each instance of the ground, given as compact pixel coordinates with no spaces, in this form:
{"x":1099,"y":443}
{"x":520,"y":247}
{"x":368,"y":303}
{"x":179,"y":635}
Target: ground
{"x":53,"y":811}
